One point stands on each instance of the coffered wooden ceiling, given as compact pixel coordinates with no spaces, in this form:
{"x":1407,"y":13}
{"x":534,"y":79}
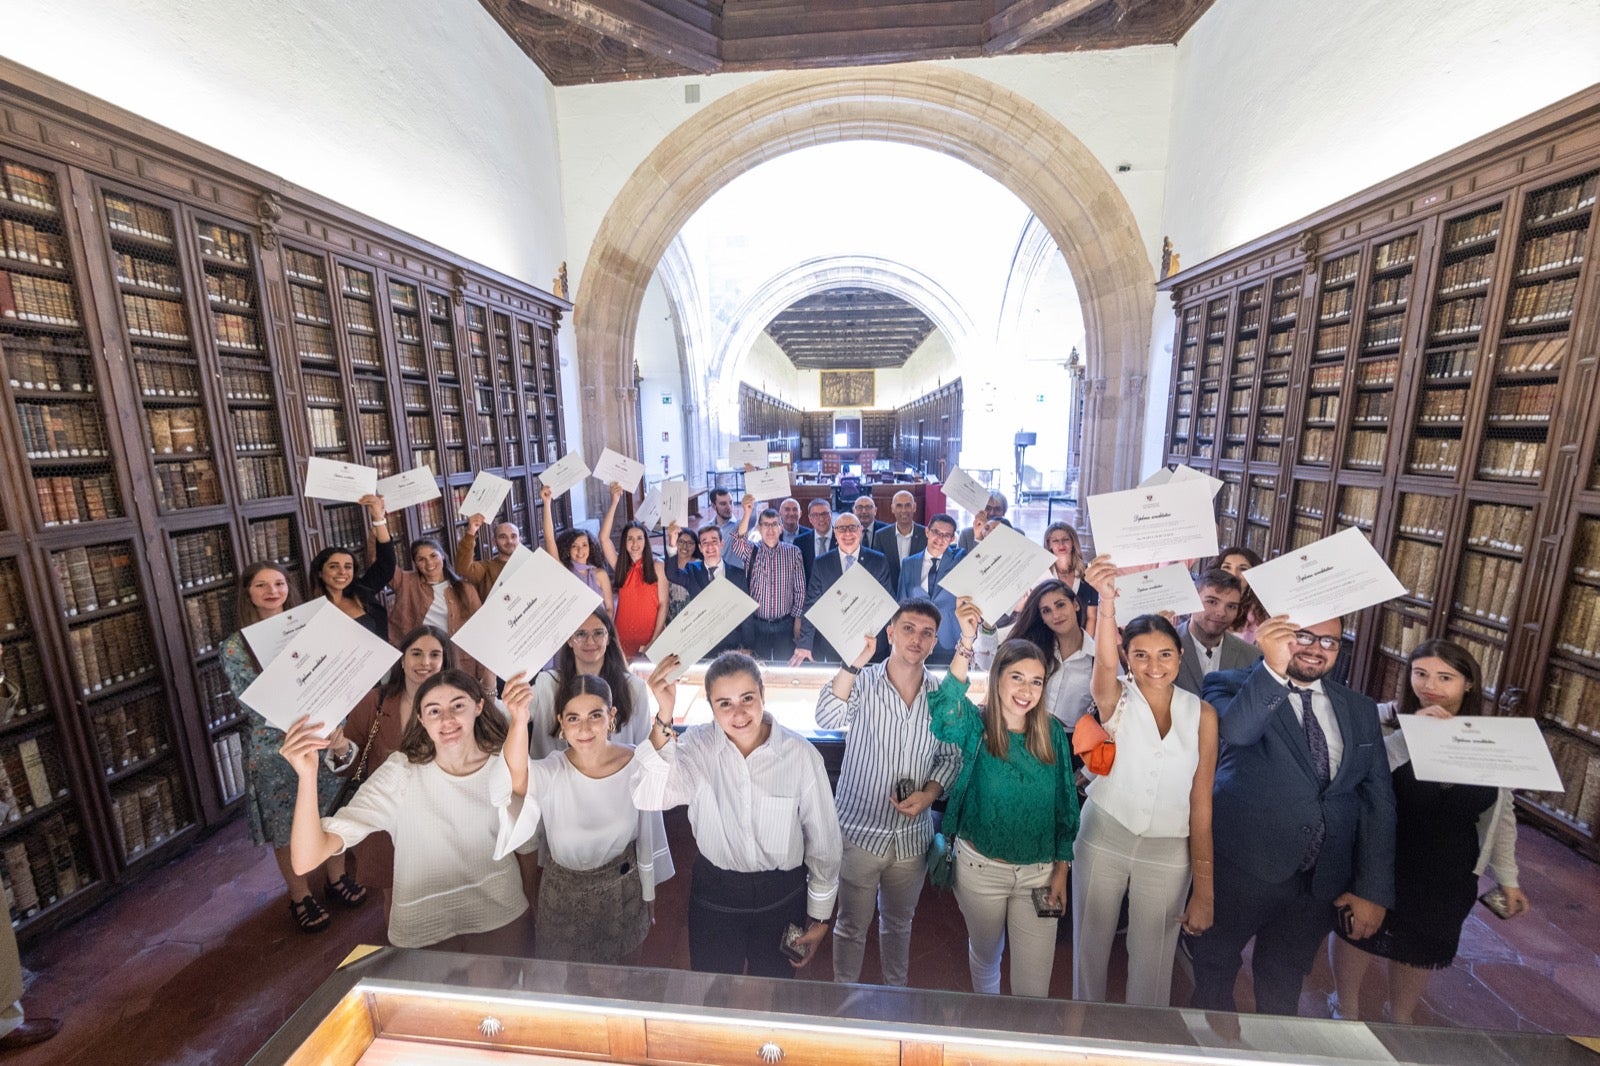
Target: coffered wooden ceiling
{"x":849,"y":329}
{"x":580,"y":41}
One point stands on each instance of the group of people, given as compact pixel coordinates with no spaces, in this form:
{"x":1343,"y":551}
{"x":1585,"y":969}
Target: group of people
{"x":1203,"y":780}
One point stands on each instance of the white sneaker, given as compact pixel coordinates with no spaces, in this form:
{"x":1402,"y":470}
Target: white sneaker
{"x":1333,"y":1008}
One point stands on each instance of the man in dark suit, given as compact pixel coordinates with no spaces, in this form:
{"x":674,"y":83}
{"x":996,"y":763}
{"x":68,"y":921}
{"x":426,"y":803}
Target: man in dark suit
{"x":905,"y":538}
{"x":698,"y":574}
{"x":830,"y":568}
{"x":820,"y":534}
{"x":866,"y":509}
{"x":920,"y":575}
{"x":1204,"y":636}
{"x":1303,"y":818}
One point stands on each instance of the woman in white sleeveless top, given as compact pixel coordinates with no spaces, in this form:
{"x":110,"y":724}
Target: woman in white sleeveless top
{"x":1146,"y":823}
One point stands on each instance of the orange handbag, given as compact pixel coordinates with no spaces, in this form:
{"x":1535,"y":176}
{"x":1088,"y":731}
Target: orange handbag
{"x":1092,"y":744}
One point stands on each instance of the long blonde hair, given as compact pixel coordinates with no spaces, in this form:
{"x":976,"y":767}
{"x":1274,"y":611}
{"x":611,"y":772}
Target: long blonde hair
{"x":1037,"y":725}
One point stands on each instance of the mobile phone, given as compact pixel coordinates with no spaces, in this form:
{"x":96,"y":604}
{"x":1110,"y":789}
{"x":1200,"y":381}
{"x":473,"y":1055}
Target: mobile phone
{"x":789,"y":944}
{"x":1346,"y":917}
{"x":1495,"y":900}
{"x":903,"y":788}
{"x":1044,"y":908}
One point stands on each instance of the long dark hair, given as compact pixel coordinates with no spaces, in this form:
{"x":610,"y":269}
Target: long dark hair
{"x":1037,"y":727}
{"x":489,"y":729}
{"x":1249,"y":606}
{"x":564,"y":542}
{"x":394,"y":683}
{"x":1458,"y":659}
{"x":1030,"y":625}
{"x":613,"y":671}
{"x":457,"y":586}
{"x":354,"y":591}
{"x":246,"y":613}
{"x":625,"y":561}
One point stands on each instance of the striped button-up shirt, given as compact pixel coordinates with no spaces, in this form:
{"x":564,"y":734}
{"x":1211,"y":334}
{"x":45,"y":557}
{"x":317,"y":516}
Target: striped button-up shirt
{"x":887,"y":740}
{"x":777,"y":578}
{"x":770,"y":811}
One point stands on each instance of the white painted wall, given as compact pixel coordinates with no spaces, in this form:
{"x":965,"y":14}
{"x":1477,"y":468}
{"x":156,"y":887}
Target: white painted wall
{"x":767,"y":369}
{"x":655,"y":349}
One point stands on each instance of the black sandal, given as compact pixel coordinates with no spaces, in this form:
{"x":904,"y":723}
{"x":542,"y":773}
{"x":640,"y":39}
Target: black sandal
{"x":347,"y":892}
{"x":309,"y":915}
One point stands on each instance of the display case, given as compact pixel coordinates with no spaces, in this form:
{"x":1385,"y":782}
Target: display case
{"x":416,"y":1007}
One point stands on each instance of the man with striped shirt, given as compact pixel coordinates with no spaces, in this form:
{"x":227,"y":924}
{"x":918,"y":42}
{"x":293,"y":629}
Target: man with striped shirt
{"x":777,"y":578}
{"x":886,"y":836}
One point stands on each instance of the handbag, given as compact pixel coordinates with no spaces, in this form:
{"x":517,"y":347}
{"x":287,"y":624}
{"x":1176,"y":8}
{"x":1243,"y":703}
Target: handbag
{"x":941,"y":861}
{"x":347,"y":791}
{"x":1092,"y":744}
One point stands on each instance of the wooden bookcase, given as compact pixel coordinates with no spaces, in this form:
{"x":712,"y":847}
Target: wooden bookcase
{"x":928,"y":431}
{"x":1420,"y":361}
{"x":178,"y":333}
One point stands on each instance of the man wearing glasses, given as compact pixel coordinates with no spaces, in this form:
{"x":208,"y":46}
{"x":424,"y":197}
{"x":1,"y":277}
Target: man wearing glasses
{"x":996,"y":508}
{"x":919,"y":575}
{"x":1303,"y":818}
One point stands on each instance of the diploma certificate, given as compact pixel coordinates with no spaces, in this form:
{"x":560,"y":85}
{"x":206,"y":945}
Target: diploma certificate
{"x":741,"y":452}
{"x":717,"y":611}
{"x":854,"y":607}
{"x":1156,"y":524}
{"x":520,"y":556}
{"x":648,"y":513}
{"x":1333,"y":577}
{"x":268,"y":637}
{"x":527,"y":616}
{"x":1166,"y":588}
{"x":329,"y":479}
{"x":1473,"y":750}
{"x":998,"y":572}
{"x":323,"y":672}
{"x":614,"y":466}
{"x":487,"y":493}
{"x":1189,"y":473}
{"x":769,"y":484}
{"x":963,"y":490}
{"x":675,"y":503}
{"x":564,"y":473}
{"x":408,"y":488}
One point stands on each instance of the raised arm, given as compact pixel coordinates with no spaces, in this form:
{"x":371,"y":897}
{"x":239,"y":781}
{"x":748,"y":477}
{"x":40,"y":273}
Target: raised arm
{"x":467,"y":565}
{"x":1103,"y":685}
{"x":309,"y":844}
{"x":969,"y":617}
{"x":1243,"y":720}
{"x":518,"y":698}
{"x":747,"y":507}
{"x":547,"y":520}
{"x":835,"y":708}
{"x":605,"y":527}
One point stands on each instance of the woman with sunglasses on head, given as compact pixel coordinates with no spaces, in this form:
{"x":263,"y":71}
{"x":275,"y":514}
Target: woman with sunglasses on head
{"x":377,"y":726}
{"x":639,"y":580}
{"x":453,"y":801}
{"x":333,"y":573}
{"x":575,"y":549}
{"x":1445,"y":837}
{"x":432,"y":593}
{"x":1238,"y":561}
{"x":1147,"y":821}
{"x":1013,"y":814}
{"x":270,"y":790}
{"x":1069,"y":568}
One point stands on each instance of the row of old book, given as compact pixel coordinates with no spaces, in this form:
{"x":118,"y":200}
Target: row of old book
{"x":229,"y":289}
{"x":44,"y":867}
{"x":1316,"y":446}
{"x":1479,"y":227}
{"x":1383,"y":331}
{"x":1534,"y":356}
{"x":21,"y":661}
{"x":1488,"y":586}
{"x":1453,"y":318}
{"x":1373,"y":407}
{"x":111,"y":651}
{"x":95,"y":578}
{"x":272,"y":539}
{"x":1563,"y":200}
{"x":1542,"y":302}
{"x":216,"y":695}
{"x":210,"y":618}
{"x":177,"y":430}
{"x":147,"y":811}
{"x":1434,"y":455}
{"x":1398,"y":252}
{"x":1377,"y":371}
{"x":151,"y":316}
{"x":236,"y":331}
{"x":62,"y":431}
{"x":166,"y":381}
{"x":1578,"y":633}
{"x":67,"y":499}
{"x":1365,"y":448}
{"x":1416,"y":565}
{"x":255,"y":430}
{"x":204,"y":556}
{"x":1446,"y":406}
{"x":1472,"y":272}
{"x":314,"y":344}
{"x":1511,"y":458}
{"x":138,"y":219}
{"x":1335,"y":304}
{"x":148,"y":273}
{"x":1586,"y":554}
{"x":25,"y":298}
{"x":1332,"y":339}
{"x":43,"y":370}
{"x":1423,"y":515}
{"x":27,"y":243}
{"x":247,"y":385}
{"x":1522,"y":403}
{"x":1357,"y":506}
{"x":25,"y":185}
{"x":189,"y":483}
{"x":1561,"y":249}
{"x":1452,"y":364}
{"x":31,"y":776}
{"x":130,"y":732}
{"x":310,"y":305}
{"x":1573,"y":700}
{"x":327,"y":428}
{"x":1389,"y":292}
{"x":1500,"y":525}
{"x":262,"y":478}
{"x":227,"y":755}
{"x":1580,"y":773}
{"x":220,"y":242}
{"x":1322,"y":407}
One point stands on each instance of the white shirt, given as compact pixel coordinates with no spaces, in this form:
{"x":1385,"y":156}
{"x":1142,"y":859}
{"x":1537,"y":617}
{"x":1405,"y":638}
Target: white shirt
{"x":1322,"y":707}
{"x":770,"y":811}
{"x":1208,"y":656}
{"x":453,"y":872}
{"x":589,"y":821}
{"x":904,"y":543}
{"x":927,"y":564}
{"x":1147,"y":790}
{"x":1067,"y":693}
{"x":438,"y":615}
{"x":542,"y":716}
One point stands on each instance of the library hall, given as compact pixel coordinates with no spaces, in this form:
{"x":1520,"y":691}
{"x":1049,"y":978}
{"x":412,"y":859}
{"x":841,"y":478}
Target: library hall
{"x":906,"y":532}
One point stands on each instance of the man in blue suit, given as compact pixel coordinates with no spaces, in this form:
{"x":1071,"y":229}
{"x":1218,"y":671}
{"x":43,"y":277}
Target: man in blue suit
{"x":920,"y":574}
{"x":829,"y":568}
{"x":1303,"y":818}
{"x":697,"y":575}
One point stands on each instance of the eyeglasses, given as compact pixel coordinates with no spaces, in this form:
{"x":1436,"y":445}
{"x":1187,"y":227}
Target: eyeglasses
{"x":589,"y":636}
{"x":1305,"y":640}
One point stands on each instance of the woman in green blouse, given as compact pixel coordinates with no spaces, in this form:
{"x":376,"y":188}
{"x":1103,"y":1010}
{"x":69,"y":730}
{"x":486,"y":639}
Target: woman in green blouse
{"x":1013,"y":813}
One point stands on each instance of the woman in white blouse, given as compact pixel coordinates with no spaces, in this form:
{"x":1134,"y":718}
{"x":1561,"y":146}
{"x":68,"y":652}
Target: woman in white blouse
{"x":592,"y":649}
{"x":763,"y":819}
{"x":1146,"y":823}
{"x":451,"y":799}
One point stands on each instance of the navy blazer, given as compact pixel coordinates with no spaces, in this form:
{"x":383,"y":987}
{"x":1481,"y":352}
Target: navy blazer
{"x":695,"y":577}
{"x":807,"y":543}
{"x":1267,"y":798}
{"x":824,"y":573}
{"x":886,"y":541}
{"x":910,"y":586}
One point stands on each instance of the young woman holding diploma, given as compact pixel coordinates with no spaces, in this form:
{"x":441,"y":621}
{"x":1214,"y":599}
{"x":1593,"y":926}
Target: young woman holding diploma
{"x":433,"y":594}
{"x":639,"y":579}
{"x":1147,"y":822}
{"x":452,"y":800}
{"x":269,"y":789}
{"x":1013,"y":811}
{"x":576,"y":550}
{"x":333,"y":573}
{"x":592,"y":649}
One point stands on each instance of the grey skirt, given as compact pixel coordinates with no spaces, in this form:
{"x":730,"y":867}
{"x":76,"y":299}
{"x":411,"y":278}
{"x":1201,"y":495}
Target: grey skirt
{"x":595,"y":915}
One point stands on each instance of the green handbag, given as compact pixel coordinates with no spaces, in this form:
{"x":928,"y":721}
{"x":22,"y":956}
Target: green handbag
{"x":942,"y":861}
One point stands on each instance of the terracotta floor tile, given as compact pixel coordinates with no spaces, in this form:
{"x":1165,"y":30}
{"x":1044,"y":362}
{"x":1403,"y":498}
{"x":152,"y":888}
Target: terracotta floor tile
{"x":1539,"y":999}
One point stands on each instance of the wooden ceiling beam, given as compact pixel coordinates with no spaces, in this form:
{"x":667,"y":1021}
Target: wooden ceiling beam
{"x":1022,"y":20}
{"x":645,"y":26}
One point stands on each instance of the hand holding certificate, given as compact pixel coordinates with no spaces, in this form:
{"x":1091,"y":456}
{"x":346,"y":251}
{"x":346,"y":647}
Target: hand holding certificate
{"x":1166,"y":588}
{"x":998,"y":572}
{"x":1157,"y":524}
{"x":964,"y":490}
{"x":717,"y":611}
{"x":1333,"y":577}
{"x":614,"y":466}
{"x":769,"y":484}
{"x":853,"y":607}
{"x":408,"y":488}
{"x":1469,"y":750}
{"x":487,"y":493}
{"x":329,"y":479}
{"x":649,"y":512}
{"x":530,"y":613}
{"x":322,"y":672}
{"x":564,"y":473}
{"x":268,"y":637}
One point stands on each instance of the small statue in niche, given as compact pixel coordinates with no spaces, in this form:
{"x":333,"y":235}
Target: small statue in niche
{"x":558,"y":287}
{"x":1169,"y":259}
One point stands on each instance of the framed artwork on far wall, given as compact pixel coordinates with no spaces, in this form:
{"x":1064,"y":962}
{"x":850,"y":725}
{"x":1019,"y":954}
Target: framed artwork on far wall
{"x":848,"y":388}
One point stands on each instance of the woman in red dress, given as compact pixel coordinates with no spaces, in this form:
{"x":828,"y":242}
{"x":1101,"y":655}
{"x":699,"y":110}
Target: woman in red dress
{"x":639,"y":581}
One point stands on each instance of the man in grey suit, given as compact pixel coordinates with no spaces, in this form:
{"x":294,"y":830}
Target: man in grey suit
{"x":1204,"y":636}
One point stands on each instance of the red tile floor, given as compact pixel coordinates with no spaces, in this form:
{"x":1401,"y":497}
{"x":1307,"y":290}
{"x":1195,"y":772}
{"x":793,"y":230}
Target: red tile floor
{"x":198,"y":963}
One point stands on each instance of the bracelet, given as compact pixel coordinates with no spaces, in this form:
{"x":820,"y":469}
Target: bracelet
{"x":376,"y":522}
{"x":850,"y":669}
{"x":964,"y":649}
{"x":666,"y":727}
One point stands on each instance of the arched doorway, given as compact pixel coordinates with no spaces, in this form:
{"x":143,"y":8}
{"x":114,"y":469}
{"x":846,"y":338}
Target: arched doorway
{"x":998,"y":132}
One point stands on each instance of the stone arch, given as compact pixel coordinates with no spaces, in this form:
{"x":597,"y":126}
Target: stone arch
{"x":999,"y":132}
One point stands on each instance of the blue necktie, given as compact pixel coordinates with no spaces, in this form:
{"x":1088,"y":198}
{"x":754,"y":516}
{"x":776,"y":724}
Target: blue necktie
{"x":1317,"y":741}
{"x":933,"y":575}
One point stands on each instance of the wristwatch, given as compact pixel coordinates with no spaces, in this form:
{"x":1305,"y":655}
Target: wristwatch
{"x":851,"y":670}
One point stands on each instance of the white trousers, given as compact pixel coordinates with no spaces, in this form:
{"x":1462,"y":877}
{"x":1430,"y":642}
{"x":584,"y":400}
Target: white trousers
{"x":892,"y":887}
{"x":996,"y":899}
{"x":1154,"y":874}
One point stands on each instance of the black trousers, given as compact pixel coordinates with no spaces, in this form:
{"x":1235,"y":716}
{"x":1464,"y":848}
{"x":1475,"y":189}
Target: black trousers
{"x":1288,"y":923}
{"x":772,"y":639}
{"x":736,"y":920}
